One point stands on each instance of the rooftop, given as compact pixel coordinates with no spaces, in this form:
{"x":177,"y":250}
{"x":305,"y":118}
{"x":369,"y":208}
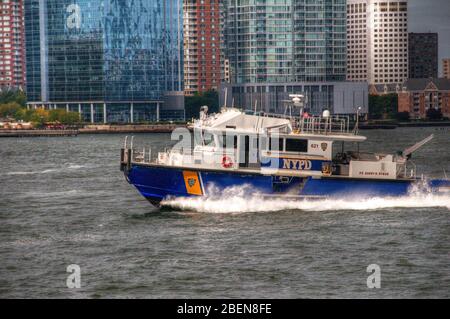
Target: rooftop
{"x":441,"y":84}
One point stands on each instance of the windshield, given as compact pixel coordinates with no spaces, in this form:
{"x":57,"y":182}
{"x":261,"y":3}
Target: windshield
{"x":204,"y":138}
{"x":208,"y":139}
{"x":227,"y":141}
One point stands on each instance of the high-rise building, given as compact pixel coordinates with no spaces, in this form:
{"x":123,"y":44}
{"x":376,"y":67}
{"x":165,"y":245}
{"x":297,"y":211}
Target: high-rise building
{"x":446,"y":68}
{"x":202,"y":64}
{"x":278,"y":48}
{"x":112,"y":61}
{"x":357,"y":41}
{"x":289,"y":40}
{"x":377,"y":38}
{"x":423,"y":55}
{"x":12,"y":45}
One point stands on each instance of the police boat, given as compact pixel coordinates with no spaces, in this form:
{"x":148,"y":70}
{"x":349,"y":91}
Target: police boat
{"x":273,"y":156}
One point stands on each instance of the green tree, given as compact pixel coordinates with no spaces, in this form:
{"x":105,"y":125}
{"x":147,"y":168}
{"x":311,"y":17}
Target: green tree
{"x":70,"y":118}
{"x":9,"y":96}
{"x":56,"y":115}
{"x":194,"y":103}
{"x":63,"y":117}
{"x":22,"y":114}
{"x":39,"y":117}
{"x":9,"y":109}
{"x":383,"y":106}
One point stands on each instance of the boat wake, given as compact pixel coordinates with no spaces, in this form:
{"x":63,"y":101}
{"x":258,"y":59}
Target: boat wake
{"x":240,"y":203}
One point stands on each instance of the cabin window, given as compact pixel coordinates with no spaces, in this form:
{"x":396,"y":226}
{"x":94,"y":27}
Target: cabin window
{"x":276,"y":144}
{"x":263,"y":142}
{"x":208,"y":139}
{"x":198,"y":138}
{"x":296,"y":145}
{"x":229,"y":141}
{"x":255,"y":143}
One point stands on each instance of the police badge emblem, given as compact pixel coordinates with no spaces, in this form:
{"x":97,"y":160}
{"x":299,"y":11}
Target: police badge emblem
{"x":191,"y":182}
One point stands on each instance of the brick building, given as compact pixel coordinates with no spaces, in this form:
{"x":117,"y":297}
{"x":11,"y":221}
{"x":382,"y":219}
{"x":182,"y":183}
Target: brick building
{"x":202,"y":65}
{"x":12,"y":44}
{"x":420,"y":95}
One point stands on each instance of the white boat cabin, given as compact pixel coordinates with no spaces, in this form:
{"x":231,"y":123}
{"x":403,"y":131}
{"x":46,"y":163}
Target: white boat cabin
{"x":273,"y":145}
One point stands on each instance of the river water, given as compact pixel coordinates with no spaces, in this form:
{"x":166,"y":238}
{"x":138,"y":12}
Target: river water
{"x":63,"y":201}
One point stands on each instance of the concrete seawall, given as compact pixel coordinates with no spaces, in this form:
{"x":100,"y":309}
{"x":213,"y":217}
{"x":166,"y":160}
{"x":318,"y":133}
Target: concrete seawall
{"x":385,"y":126}
{"x":37,"y":133}
{"x":424,"y":124}
{"x":94,"y":129}
{"x":119,"y":129}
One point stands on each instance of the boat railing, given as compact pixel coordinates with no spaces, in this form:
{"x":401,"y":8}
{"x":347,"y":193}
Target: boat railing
{"x":144,"y":155}
{"x":410,"y":169}
{"x":407,"y":170}
{"x":318,"y":124}
{"x":323,"y":125}
{"x":147,"y":155}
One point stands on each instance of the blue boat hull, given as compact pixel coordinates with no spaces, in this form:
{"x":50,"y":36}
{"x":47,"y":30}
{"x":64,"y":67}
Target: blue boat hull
{"x":157,"y":183}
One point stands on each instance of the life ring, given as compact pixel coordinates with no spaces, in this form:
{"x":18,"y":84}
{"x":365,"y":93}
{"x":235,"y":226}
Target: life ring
{"x":227,"y":162}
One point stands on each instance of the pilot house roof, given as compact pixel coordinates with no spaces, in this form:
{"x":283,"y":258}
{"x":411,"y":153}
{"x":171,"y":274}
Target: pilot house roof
{"x":235,"y":119}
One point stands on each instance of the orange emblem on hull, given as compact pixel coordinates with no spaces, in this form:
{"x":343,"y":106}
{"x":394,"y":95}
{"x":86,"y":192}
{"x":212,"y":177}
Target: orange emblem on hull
{"x":192,"y":183}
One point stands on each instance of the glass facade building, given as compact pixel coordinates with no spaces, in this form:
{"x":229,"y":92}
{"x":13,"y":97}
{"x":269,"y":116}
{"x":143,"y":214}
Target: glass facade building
{"x":280,"y":47}
{"x":113,"y":61}
{"x":286,"y":40}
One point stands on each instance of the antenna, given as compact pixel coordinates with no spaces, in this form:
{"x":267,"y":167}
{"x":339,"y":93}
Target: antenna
{"x":355,"y":130}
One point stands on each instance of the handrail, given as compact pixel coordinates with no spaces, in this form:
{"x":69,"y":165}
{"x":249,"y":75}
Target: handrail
{"x":324,"y":125}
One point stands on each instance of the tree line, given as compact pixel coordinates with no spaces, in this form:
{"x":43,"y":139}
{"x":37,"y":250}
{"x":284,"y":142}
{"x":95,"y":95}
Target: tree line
{"x":13,"y":105}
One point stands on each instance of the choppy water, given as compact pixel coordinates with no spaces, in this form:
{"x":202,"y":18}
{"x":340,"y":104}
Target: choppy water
{"x":64,"y":201}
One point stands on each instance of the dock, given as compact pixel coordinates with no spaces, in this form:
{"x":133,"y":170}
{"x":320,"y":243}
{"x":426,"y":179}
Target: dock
{"x":37,"y":133}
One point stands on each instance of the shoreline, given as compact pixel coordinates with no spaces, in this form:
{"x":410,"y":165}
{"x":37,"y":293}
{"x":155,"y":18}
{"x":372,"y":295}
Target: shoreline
{"x":168,"y":128}
{"x":38,"y":133}
{"x":135,"y":128}
{"x":424,"y":124}
{"x":394,"y":125}
{"x":92,"y":129}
